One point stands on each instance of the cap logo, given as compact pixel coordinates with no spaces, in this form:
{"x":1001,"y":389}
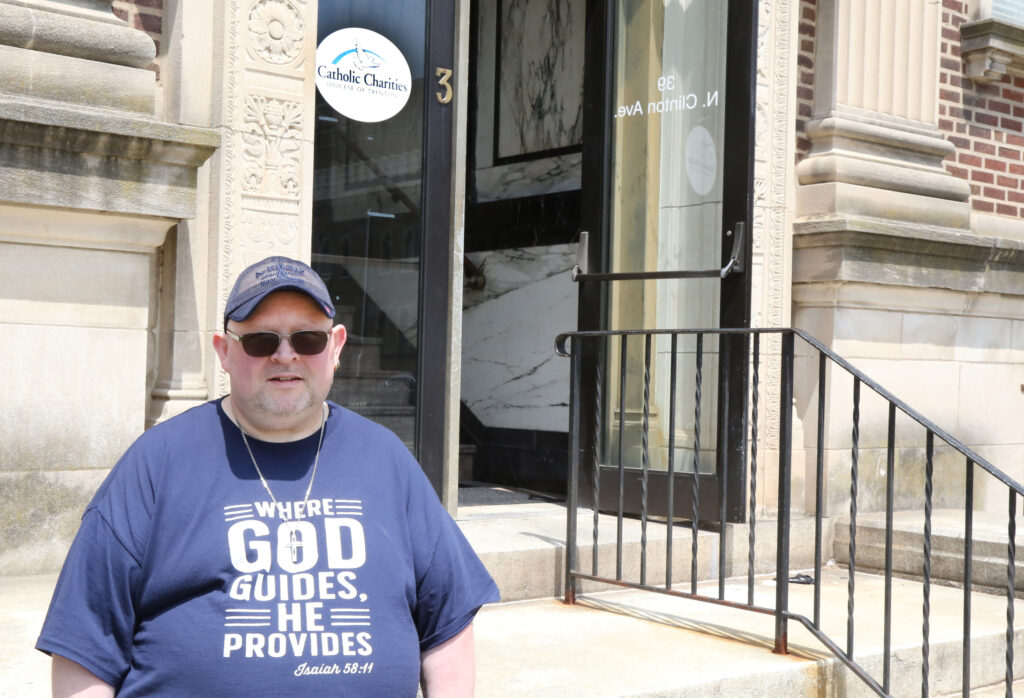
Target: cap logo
{"x":280,"y":270}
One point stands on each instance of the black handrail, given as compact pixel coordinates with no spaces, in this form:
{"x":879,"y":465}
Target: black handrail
{"x":781,"y":611}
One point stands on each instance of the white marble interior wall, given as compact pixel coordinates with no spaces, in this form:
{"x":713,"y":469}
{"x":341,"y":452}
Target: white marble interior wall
{"x":511,"y":376}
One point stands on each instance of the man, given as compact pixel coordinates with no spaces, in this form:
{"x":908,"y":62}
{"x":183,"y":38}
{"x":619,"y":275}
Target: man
{"x":269,"y":543}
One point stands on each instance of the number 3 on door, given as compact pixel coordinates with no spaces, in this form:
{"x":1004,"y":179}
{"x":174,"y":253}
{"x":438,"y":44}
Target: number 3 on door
{"x":444,"y":76}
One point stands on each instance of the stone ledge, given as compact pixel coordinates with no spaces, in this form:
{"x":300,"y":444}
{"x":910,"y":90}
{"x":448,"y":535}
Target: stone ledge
{"x":99,"y":160}
{"x":831,"y":249}
{"x":55,"y":125}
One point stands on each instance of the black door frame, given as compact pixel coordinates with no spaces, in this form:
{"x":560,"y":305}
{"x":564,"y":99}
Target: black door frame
{"x":435,"y":250}
{"x":738,"y":175}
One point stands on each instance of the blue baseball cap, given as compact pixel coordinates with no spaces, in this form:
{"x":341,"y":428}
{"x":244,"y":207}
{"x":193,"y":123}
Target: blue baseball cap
{"x":275,"y":274}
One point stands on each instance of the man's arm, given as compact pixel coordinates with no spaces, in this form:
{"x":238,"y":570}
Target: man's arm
{"x":72,"y":680}
{"x":449,"y":670}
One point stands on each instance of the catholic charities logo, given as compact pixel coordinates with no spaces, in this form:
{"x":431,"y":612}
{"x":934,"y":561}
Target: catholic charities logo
{"x":362,"y":75}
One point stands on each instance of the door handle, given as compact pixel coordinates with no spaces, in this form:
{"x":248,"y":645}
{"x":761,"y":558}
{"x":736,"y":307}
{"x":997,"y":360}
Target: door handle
{"x":733,"y":265}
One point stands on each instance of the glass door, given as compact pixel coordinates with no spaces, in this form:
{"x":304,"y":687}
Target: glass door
{"x":667,"y":82}
{"x":382,"y":180}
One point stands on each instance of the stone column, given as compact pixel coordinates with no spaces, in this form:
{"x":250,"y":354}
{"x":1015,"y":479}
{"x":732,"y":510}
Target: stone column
{"x":875,"y":137}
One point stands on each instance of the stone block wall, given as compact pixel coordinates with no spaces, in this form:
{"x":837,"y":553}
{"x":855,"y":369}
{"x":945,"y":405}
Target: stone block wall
{"x":91,"y":181}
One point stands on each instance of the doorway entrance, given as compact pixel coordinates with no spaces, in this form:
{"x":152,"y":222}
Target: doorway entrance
{"x":668,"y":153}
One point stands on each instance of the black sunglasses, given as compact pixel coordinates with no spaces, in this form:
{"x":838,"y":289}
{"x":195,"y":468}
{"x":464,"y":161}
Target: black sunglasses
{"x":261,"y":344}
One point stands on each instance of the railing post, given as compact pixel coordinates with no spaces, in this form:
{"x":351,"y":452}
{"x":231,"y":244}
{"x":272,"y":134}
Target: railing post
{"x":573,"y":475}
{"x":785,"y":463}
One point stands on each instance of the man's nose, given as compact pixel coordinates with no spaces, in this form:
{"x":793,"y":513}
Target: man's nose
{"x":285,"y":352}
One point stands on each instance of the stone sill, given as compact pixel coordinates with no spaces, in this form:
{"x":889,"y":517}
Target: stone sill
{"x":992,"y":49}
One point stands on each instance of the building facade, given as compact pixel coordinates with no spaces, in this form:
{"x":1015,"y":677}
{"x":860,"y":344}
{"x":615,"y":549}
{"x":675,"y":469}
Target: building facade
{"x":868,"y":156}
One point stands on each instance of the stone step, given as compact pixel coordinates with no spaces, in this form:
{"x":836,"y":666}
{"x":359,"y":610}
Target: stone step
{"x":467,"y":453}
{"x":989,"y":546}
{"x":361,"y":354}
{"x":378,"y":388}
{"x":630,"y":643}
{"x":401,"y":420}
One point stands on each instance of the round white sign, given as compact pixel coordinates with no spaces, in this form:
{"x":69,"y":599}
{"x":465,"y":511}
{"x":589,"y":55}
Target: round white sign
{"x":362,"y":74}
{"x":701,"y":160}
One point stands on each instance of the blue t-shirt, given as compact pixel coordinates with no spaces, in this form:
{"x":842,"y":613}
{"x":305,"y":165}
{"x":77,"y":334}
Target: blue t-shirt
{"x":186,"y":579}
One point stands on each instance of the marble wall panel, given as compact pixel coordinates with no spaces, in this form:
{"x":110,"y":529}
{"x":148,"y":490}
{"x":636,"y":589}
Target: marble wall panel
{"x":538,"y":106}
{"x":540,"y":69}
{"x":511,"y":376}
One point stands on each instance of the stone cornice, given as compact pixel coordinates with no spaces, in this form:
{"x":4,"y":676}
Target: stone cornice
{"x":992,"y":49}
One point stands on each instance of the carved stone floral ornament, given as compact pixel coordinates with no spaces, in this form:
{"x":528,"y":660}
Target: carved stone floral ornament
{"x":276,"y":30}
{"x":271,"y":146}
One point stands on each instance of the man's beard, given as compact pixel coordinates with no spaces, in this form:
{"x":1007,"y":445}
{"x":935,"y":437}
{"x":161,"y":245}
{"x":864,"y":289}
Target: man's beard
{"x":263,"y":403}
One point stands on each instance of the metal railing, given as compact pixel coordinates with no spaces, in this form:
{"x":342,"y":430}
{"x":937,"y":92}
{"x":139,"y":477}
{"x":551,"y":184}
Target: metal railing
{"x":814,"y":355}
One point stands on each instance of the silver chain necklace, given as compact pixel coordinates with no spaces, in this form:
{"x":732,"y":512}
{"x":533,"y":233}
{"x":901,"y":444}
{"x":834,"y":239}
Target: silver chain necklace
{"x":293,"y":542}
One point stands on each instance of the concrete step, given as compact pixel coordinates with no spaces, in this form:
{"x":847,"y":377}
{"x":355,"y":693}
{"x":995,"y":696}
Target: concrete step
{"x":522,"y":543}
{"x":994,"y":691}
{"x":467,"y":453}
{"x":989,"y":546}
{"x":628,"y":643}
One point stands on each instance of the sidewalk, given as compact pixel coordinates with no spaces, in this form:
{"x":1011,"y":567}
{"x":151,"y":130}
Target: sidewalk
{"x":626,"y":643}
{"x":24,"y":672}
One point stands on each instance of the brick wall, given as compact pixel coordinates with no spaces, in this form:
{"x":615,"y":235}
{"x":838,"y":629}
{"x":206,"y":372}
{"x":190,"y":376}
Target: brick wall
{"x":805,"y":75}
{"x":984,"y":122}
{"x":147,"y":15}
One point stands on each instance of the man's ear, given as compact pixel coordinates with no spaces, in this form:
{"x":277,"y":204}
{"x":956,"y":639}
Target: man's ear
{"x":339,"y":334}
{"x":220,"y":345}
